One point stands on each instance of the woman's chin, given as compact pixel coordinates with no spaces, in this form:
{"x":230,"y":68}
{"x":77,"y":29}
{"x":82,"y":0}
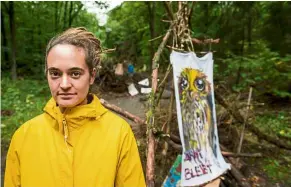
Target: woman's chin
{"x":72,"y":102}
{"x":67,"y":104}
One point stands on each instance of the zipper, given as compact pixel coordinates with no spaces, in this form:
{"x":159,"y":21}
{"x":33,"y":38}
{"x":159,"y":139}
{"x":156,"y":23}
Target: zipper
{"x":66,"y":133}
{"x":65,"y":130}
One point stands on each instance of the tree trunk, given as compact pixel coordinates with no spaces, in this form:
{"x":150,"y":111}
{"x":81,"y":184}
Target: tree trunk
{"x":70,"y":13}
{"x":76,"y":12}
{"x":13,"y":40}
{"x":190,"y":15}
{"x":151,"y":10}
{"x":5,"y":43}
{"x":242,"y":54}
{"x":61,"y":11}
{"x":39,"y":36}
{"x":250,"y":30}
{"x":56,"y":15}
{"x":65,"y":15}
{"x":206,"y":10}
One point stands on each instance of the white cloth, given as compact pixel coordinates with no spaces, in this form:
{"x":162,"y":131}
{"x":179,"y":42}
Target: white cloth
{"x":193,"y":79}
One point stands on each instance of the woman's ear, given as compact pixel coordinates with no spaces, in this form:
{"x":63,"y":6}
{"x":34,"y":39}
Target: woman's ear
{"x":92,"y":78}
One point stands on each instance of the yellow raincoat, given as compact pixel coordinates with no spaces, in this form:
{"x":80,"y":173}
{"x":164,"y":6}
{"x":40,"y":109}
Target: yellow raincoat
{"x":86,"y":146}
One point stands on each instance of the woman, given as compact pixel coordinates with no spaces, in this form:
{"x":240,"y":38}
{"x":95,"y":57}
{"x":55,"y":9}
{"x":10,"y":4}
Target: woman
{"x":76,"y":141}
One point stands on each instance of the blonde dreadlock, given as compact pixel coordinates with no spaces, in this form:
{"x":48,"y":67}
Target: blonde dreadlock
{"x":79,"y":37}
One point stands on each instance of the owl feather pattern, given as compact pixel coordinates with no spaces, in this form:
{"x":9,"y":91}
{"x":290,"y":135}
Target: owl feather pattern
{"x":196,"y":106}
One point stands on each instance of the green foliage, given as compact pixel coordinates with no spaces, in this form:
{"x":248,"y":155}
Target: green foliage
{"x":24,"y":99}
{"x":267,"y":71}
{"x":277,"y":171}
{"x":275,"y":124}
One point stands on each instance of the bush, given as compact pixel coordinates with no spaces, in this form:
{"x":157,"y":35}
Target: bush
{"x":21,"y":100}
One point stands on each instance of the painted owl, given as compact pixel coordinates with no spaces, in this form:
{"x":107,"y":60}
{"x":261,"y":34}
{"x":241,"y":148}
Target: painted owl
{"x":196,"y":107}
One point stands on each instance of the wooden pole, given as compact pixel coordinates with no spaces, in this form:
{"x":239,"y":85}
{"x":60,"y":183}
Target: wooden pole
{"x":150,"y":168}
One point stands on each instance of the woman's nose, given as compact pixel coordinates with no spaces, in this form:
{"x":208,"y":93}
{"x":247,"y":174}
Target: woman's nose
{"x":65,"y":82}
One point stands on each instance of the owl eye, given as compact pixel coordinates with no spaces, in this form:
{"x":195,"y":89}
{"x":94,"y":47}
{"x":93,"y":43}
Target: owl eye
{"x":199,"y":84}
{"x":183,"y":83}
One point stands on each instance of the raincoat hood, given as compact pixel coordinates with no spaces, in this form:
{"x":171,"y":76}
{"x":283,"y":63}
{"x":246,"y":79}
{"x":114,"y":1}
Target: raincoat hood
{"x":92,"y":110}
{"x":75,"y":115}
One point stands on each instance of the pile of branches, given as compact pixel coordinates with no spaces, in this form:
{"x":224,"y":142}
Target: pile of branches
{"x":107,"y":81}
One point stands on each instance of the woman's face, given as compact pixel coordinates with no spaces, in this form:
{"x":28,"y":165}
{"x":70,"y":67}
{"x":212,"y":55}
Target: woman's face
{"x":68,"y":75}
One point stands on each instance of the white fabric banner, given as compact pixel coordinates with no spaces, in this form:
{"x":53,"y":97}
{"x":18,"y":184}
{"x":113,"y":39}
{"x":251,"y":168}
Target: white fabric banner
{"x":193,"y":78}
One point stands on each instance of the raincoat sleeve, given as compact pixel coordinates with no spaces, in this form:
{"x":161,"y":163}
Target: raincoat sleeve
{"x":12,"y":171}
{"x":129,"y":171}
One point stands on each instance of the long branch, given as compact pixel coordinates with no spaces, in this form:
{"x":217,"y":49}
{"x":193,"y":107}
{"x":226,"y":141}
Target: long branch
{"x":150,"y":170}
{"x":124,"y":113}
{"x":161,"y":48}
{"x":169,"y":10}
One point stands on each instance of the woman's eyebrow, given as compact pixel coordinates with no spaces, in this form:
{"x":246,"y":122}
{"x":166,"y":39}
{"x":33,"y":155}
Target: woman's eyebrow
{"x":53,"y":68}
{"x":71,"y":69}
{"x":76,"y":68}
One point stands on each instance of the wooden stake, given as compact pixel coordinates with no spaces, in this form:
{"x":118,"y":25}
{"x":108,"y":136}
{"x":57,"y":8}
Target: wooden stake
{"x":245,"y":121}
{"x":168,"y":123}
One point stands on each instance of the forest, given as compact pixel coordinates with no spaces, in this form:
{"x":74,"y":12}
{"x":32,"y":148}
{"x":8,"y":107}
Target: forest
{"x":253,"y":50}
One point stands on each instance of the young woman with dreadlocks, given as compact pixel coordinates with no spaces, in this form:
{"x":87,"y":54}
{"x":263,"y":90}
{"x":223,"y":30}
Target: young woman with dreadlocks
{"x":76,"y":141}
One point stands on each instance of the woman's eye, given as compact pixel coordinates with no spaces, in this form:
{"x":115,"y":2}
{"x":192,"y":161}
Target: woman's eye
{"x":76,"y":74}
{"x":54,"y":74}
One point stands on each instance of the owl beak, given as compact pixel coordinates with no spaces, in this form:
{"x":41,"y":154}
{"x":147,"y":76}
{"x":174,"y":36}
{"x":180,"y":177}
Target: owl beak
{"x":194,"y":95}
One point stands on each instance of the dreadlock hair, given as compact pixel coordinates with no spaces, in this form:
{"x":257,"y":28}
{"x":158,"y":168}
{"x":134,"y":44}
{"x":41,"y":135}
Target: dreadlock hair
{"x":79,"y":37}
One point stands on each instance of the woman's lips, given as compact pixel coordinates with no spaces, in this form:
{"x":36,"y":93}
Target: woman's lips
{"x":66,"y":96}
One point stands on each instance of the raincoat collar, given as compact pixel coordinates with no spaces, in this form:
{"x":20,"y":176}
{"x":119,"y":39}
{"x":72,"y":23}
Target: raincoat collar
{"x":91,"y":110}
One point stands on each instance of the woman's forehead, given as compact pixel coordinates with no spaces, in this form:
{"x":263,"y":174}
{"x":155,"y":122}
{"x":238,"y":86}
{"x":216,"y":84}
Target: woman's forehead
{"x":66,"y":50}
{"x":66,"y":56}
